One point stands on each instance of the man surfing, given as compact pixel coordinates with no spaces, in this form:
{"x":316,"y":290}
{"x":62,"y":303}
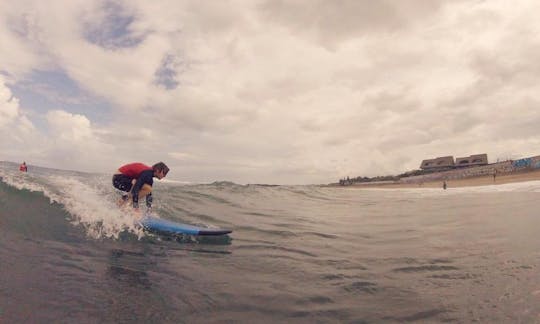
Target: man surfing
{"x":23,"y":167}
{"x":136,"y":179}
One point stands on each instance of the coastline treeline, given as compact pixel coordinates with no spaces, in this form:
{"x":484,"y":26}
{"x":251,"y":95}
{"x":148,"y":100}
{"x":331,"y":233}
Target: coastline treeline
{"x":360,"y":179}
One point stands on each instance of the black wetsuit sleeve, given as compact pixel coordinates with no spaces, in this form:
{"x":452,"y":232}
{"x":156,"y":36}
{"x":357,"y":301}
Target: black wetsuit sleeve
{"x":149,"y":200}
{"x":146,"y":177}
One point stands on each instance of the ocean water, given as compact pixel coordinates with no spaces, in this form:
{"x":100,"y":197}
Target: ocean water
{"x":298,"y":254}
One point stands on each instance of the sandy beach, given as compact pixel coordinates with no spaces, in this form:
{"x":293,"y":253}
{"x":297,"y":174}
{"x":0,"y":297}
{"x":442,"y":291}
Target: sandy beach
{"x":520,"y":176}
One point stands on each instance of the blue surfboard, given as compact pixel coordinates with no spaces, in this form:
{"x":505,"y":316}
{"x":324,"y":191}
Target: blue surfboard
{"x":154,"y":224}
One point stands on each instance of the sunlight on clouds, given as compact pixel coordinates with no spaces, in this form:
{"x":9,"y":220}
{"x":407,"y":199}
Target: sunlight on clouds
{"x":69,"y":127}
{"x":12,"y":121}
{"x":20,"y":138}
{"x":9,"y":109}
{"x":74,"y":141}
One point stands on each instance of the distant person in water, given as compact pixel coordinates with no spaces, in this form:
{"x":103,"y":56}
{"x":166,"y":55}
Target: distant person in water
{"x":136,"y":179}
{"x":23,"y":167}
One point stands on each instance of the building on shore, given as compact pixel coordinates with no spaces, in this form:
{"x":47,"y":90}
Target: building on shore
{"x":444,"y":162}
{"x":445,"y":168}
{"x":473,"y":160}
{"x":447,"y":162}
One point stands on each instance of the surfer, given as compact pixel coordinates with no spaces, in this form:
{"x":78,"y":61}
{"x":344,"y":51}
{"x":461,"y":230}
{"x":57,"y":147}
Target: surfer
{"x":137,"y":179}
{"x":23,"y":167}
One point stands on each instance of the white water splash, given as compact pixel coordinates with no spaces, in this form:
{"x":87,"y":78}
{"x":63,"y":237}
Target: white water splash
{"x":94,"y":209}
{"x":90,"y":200}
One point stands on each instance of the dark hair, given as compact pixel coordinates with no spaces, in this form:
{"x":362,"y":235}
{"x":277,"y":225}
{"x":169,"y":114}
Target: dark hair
{"x":160,"y":166}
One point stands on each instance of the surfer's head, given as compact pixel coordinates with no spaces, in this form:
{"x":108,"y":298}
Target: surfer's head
{"x":160,"y":170}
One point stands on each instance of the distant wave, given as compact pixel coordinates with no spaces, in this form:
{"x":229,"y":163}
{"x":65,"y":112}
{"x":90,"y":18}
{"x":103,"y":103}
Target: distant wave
{"x":165,"y":180}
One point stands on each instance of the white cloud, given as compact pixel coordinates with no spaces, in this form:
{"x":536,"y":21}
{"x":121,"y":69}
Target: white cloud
{"x":71,"y":128}
{"x":9,"y":110}
{"x":74,"y":142}
{"x":14,"y":124}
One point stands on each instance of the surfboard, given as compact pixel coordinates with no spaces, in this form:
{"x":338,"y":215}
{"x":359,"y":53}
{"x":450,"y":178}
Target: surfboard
{"x":154,"y":224}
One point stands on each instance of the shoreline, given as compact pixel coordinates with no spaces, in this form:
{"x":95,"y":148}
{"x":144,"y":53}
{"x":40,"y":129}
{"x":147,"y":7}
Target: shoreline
{"x":486,"y":180}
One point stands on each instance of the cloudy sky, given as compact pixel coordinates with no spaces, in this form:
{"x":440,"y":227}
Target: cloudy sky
{"x":277,"y":91}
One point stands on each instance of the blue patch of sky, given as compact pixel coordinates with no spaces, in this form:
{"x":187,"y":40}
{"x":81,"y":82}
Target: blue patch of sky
{"x":167,"y":74}
{"x":50,"y":90}
{"x":113,"y":31}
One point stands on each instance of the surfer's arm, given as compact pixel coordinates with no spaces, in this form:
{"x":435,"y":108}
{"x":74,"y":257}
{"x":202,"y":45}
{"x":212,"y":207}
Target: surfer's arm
{"x":145,"y":178}
{"x":135,"y":192}
{"x":149,"y":200}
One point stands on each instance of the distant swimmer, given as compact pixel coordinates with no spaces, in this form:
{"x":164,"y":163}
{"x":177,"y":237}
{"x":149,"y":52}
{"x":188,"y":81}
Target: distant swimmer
{"x":137,"y":179}
{"x":23,"y":167}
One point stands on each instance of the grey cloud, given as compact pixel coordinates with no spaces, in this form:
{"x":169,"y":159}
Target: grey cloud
{"x":519,"y":68}
{"x":520,"y":121}
{"x":501,"y":101}
{"x":333,"y":21}
{"x":218,"y":16}
{"x":204,"y":116}
{"x":285,"y":88}
{"x":24,"y":26}
{"x":385,"y":100}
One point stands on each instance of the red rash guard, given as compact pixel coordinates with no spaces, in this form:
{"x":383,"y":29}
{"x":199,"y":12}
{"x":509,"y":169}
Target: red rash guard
{"x":134,"y":170}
